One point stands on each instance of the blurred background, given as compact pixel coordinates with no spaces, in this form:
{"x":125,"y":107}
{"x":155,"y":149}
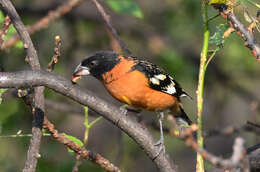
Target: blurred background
{"x":167,"y":33}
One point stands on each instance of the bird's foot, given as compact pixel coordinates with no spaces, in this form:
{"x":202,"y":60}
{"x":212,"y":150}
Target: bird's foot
{"x":123,"y":109}
{"x":161,"y":145}
{"x":131,"y":109}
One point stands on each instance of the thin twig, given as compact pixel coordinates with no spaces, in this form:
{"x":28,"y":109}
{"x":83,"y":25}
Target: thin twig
{"x":55,"y":57}
{"x":241,"y":29}
{"x":20,"y":135}
{"x":45,"y":21}
{"x":77,"y":164}
{"x":232,"y":130}
{"x":211,"y":57}
{"x":106,"y":18}
{"x":7,"y":23}
{"x":38,"y":104}
{"x":253,"y":124}
{"x":87,"y":154}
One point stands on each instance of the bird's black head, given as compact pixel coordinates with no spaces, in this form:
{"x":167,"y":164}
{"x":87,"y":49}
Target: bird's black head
{"x":96,"y":64}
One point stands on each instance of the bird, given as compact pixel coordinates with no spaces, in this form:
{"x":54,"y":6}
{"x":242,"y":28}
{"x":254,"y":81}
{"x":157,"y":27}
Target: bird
{"x":137,"y":83}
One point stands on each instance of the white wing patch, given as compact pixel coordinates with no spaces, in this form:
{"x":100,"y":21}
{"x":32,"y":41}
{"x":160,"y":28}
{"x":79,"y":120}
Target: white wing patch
{"x":160,"y":77}
{"x":155,"y":81}
{"x":170,"y":89}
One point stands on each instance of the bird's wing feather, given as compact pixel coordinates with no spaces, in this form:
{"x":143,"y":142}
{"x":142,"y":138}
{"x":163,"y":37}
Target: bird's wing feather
{"x":158,"y":79}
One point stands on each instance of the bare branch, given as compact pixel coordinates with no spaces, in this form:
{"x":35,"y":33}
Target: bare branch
{"x":107,"y":110}
{"x":232,"y":130}
{"x":110,"y":26}
{"x":242,"y":31}
{"x":253,"y":124}
{"x":38,"y":103}
{"x":55,"y":57}
{"x":77,"y":164}
{"x":7,"y":23}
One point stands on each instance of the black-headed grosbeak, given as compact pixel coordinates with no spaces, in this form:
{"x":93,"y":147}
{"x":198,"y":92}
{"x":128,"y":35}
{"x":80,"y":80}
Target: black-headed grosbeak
{"x":137,"y":83}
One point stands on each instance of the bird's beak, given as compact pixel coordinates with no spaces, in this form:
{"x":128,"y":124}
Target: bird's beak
{"x":79,"y":71}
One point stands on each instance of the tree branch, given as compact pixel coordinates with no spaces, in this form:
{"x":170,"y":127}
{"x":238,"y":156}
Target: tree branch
{"x":38,"y":102}
{"x":7,"y":23}
{"x":84,"y":97}
{"x":110,"y":27}
{"x":242,"y":31}
{"x":253,"y":154}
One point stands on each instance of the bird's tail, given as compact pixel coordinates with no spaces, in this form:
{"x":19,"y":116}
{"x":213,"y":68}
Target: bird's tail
{"x":180,"y":116}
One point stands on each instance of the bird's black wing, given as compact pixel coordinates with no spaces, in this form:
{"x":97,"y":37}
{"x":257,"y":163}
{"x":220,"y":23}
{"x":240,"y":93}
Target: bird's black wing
{"x":158,"y":79}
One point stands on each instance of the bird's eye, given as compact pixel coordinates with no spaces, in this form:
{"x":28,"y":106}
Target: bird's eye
{"x":93,"y":63}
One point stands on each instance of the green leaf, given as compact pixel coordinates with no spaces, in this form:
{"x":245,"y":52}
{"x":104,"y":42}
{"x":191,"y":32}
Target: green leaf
{"x":75,"y":140}
{"x":19,"y":45}
{"x":2,"y":90}
{"x":211,"y":2}
{"x":217,"y":38}
{"x":126,"y":7}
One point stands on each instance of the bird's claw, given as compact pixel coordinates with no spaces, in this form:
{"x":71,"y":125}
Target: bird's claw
{"x":123,"y":110}
{"x":161,"y":145}
{"x":159,"y":142}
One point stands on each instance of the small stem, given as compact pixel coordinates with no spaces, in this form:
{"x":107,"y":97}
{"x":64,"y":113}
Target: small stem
{"x":22,"y":135}
{"x":211,"y":57}
{"x":106,"y":18}
{"x":203,"y":59}
{"x":86,"y":134}
{"x":89,"y":125}
{"x":86,"y":126}
{"x":95,"y":121}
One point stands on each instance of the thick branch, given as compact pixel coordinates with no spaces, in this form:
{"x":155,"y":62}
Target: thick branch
{"x":109,"y":111}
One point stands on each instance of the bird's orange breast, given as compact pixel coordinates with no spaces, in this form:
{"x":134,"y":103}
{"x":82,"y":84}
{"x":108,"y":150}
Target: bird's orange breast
{"x":132,"y":87}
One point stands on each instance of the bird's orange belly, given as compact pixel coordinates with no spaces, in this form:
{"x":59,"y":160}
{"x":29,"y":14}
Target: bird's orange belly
{"x":133,"y":89}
